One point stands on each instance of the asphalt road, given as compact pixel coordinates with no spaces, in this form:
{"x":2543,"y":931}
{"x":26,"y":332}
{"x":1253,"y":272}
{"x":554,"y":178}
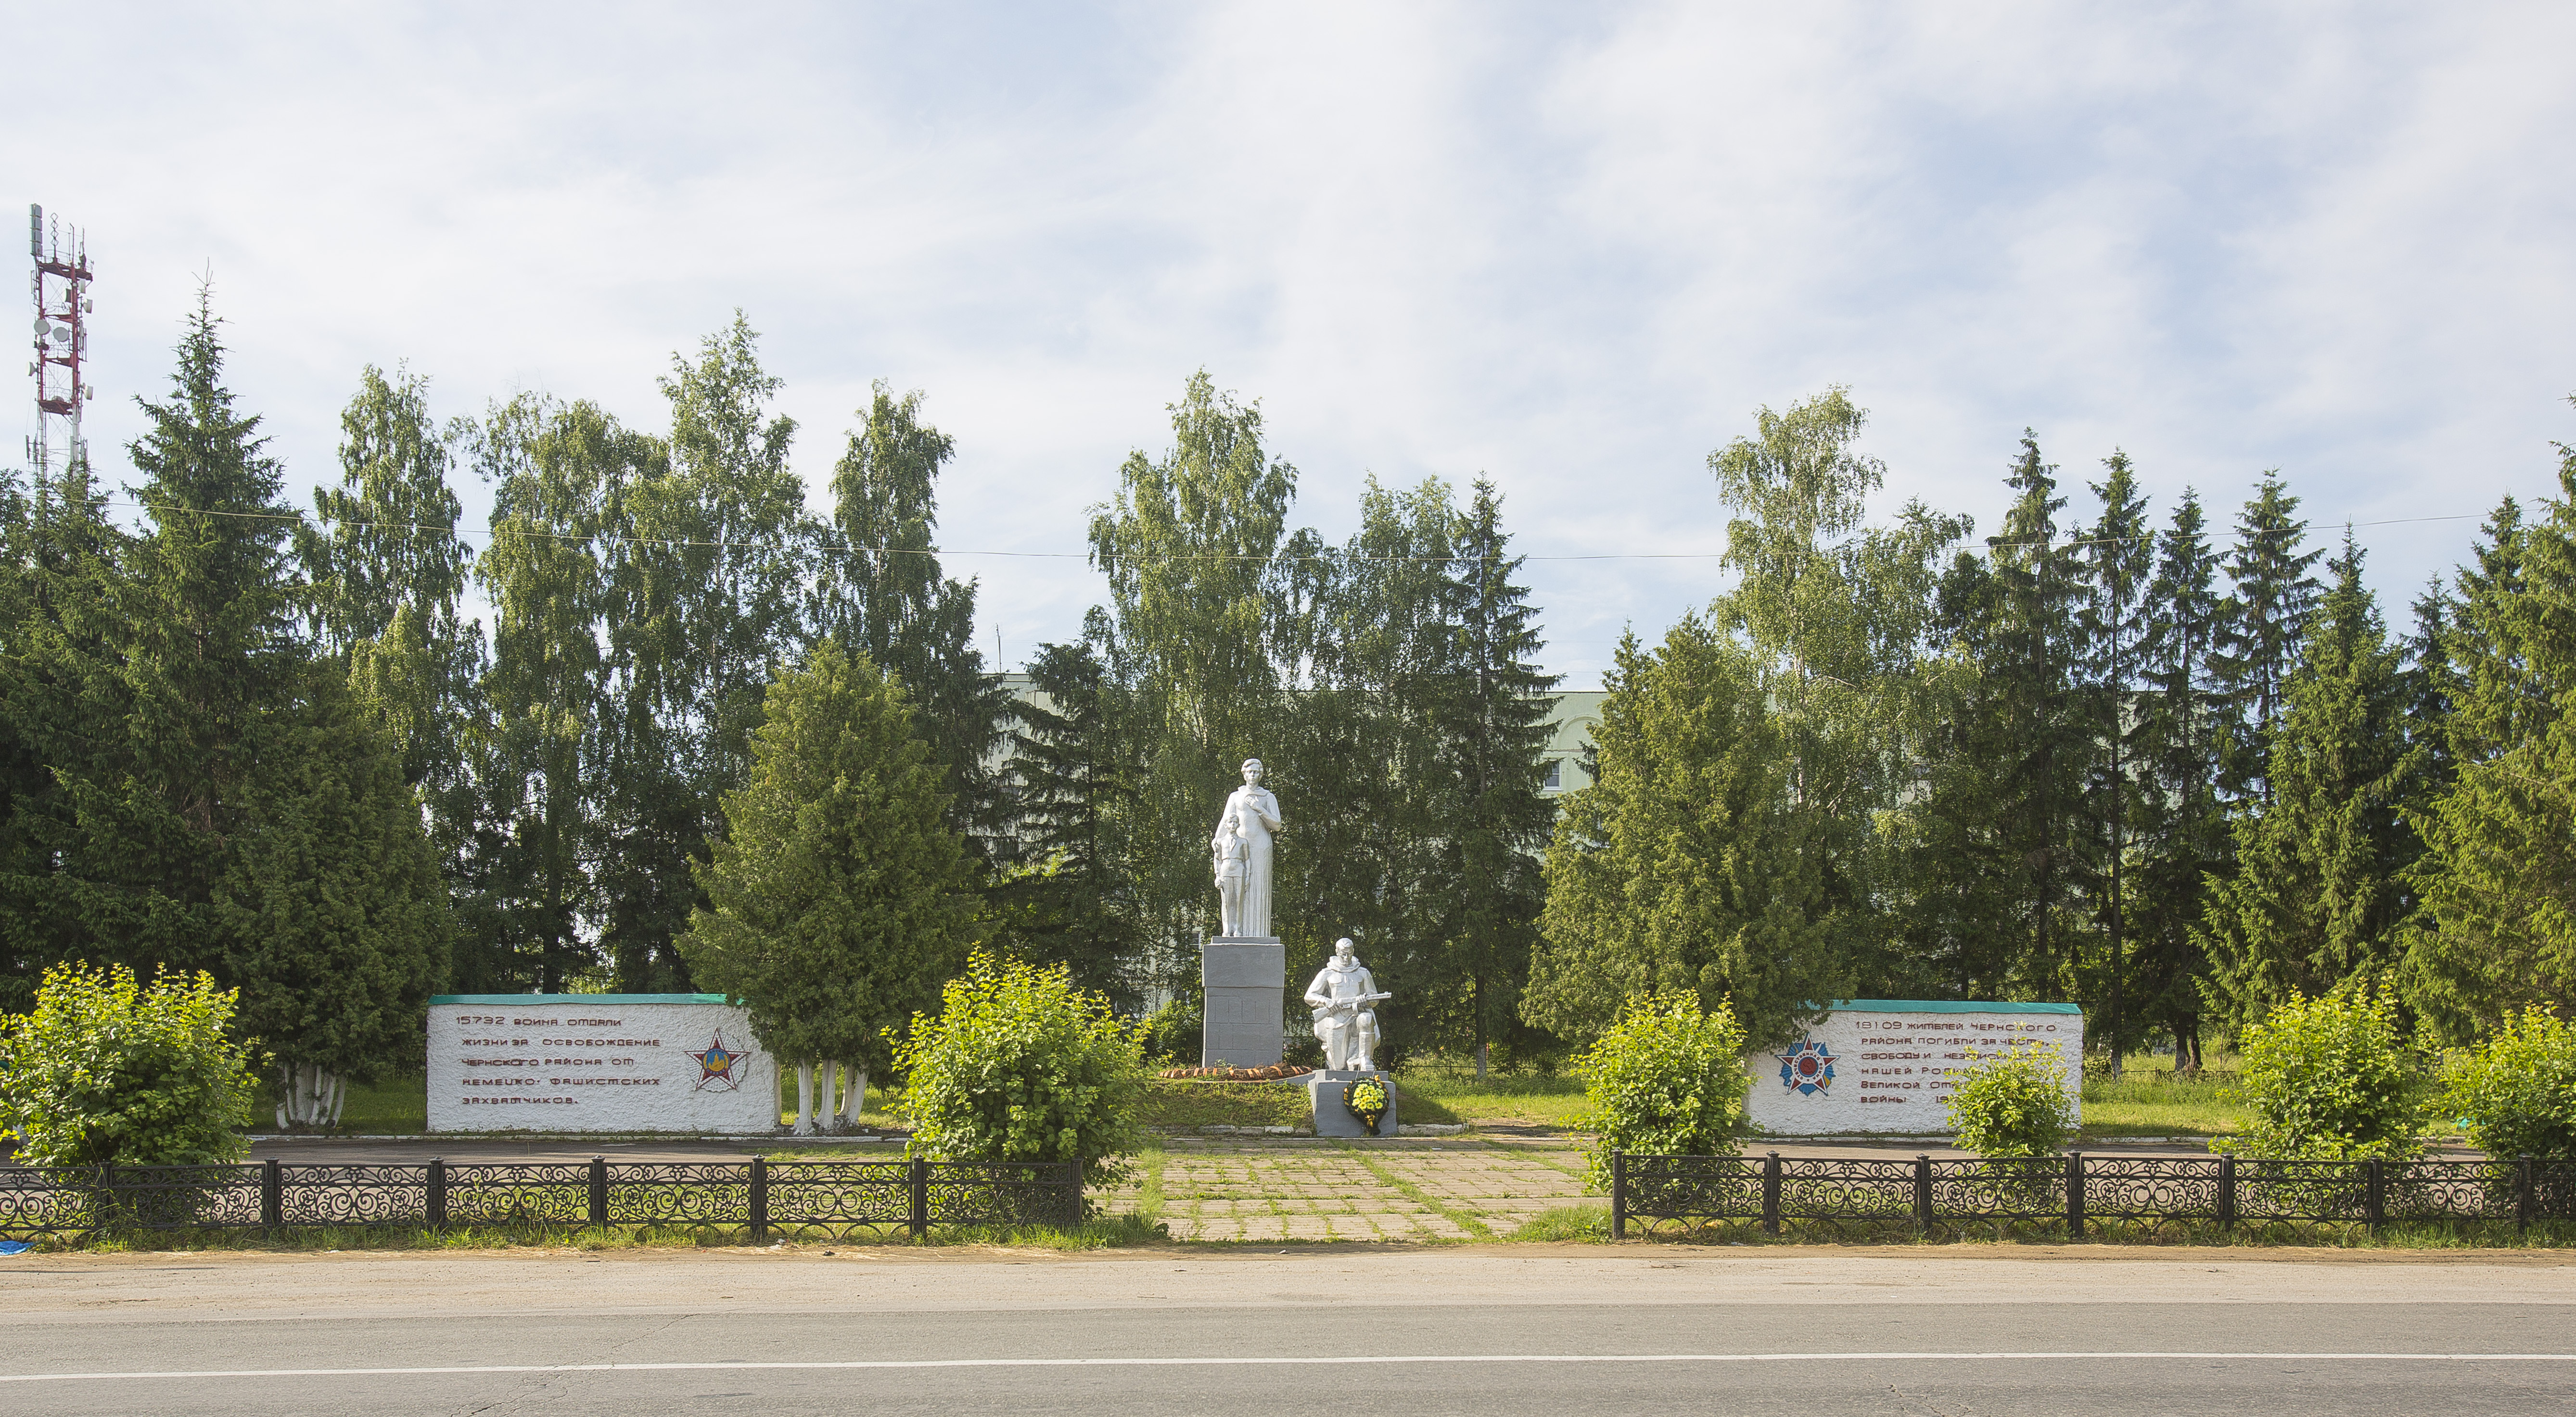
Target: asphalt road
{"x":1486,"y":1331}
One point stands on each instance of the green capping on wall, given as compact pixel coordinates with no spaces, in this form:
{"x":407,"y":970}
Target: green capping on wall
{"x":523,"y":1000}
{"x":1947,"y":1006}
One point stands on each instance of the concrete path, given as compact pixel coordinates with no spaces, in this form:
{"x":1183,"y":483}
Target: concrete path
{"x":1564,"y":1331}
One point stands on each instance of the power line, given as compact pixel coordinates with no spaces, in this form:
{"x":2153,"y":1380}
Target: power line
{"x":613,"y":539}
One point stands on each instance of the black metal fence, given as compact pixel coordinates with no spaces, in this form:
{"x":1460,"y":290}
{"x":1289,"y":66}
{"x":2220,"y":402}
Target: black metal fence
{"x":761,"y":1197}
{"x":2124,"y":1196}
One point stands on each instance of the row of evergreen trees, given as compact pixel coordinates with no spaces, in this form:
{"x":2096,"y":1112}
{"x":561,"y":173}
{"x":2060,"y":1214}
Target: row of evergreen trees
{"x":2167,"y":771}
{"x":2173,"y":774}
{"x":285,"y":747}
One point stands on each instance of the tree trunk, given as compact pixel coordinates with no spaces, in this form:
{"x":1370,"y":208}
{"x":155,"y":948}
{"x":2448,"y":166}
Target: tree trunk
{"x":804,"y":1099}
{"x":854,"y":1095}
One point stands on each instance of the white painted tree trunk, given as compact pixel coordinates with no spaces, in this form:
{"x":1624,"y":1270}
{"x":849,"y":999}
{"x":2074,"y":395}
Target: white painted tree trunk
{"x":311,"y":1096}
{"x":854,"y":1095}
{"x":827,"y":1106}
{"x":805,"y":1099}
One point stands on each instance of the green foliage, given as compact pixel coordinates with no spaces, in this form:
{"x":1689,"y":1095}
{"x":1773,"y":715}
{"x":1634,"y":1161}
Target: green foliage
{"x":2516,"y":1091}
{"x":2498,"y":880}
{"x":836,"y":897}
{"x":2318,"y":894}
{"x":1020,"y":1065}
{"x":104,"y":1069}
{"x":2012,"y":1103}
{"x":1664,"y":1078}
{"x":882,"y":594}
{"x":1176,"y":1030}
{"x":1685,"y":865}
{"x":2328,"y":1079}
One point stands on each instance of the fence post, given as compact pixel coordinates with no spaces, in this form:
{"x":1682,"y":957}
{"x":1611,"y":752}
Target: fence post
{"x":1618,"y":1195}
{"x":2227,"y":1190}
{"x":2522,"y":1197}
{"x":2374,"y":1197}
{"x":1923,"y":1193}
{"x":920,"y":1218}
{"x":757,"y":1221}
{"x":272,"y":1198}
{"x":1771,"y":1192}
{"x":599,"y":1192}
{"x":2074,"y":1195}
{"x":434,"y":1204}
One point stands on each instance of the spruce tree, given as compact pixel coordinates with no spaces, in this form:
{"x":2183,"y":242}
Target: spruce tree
{"x":2050,"y":738}
{"x":1066,"y":900}
{"x":2119,"y":557}
{"x":2271,"y":595}
{"x":836,"y":899}
{"x":2498,"y":929}
{"x":2320,"y":891}
{"x":1492,"y":722}
{"x":2182,"y":826}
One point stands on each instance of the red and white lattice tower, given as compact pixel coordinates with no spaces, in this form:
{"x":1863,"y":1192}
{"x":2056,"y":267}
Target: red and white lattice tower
{"x":61,"y":288}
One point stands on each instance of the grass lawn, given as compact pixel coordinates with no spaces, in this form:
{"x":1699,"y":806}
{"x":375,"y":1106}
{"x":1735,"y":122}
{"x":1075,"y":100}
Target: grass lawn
{"x":1507,"y":1099}
{"x":2159,"y":1105}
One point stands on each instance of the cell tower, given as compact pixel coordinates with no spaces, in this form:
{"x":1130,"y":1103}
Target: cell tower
{"x":61,"y":288}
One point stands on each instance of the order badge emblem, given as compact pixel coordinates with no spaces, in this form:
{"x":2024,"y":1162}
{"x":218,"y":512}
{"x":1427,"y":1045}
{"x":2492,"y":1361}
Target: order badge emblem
{"x":717,"y":1066}
{"x":1807,"y":1069}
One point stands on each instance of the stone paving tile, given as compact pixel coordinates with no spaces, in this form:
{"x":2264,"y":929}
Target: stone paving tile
{"x":1453,"y":1190}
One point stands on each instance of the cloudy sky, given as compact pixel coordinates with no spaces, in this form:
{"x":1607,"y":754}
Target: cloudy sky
{"x":1566,"y":247}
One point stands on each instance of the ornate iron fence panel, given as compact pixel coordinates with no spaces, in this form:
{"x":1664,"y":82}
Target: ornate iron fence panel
{"x":1998,"y":1189}
{"x":518,"y":1195}
{"x":353,"y":1195}
{"x":833,"y":1198}
{"x":174,"y":1197}
{"x":2151,"y":1187}
{"x":1839,"y":1190}
{"x":679,"y":1194}
{"x":1005,"y":1194}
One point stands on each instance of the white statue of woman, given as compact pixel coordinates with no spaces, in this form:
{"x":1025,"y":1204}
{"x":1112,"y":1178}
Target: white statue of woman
{"x":1243,"y":834}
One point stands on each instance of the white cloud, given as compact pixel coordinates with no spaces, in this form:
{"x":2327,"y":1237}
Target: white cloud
{"x":1569,"y":250}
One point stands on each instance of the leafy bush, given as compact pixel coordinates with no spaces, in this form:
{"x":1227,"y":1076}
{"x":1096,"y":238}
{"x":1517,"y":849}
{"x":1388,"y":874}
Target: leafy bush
{"x":2516,"y":1092}
{"x":1022,"y":1066}
{"x":2012,"y":1103}
{"x":1173,"y":1031}
{"x":2327,"y":1079}
{"x":107,"y":1070}
{"x":1665,"y":1078}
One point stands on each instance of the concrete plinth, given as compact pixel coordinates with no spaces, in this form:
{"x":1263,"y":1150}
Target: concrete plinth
{"x":1332,"y":1119}
{"x":1245,"y":981}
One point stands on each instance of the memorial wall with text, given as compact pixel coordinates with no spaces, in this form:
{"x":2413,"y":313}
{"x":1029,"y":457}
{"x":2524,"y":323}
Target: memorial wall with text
{"x":1884,"y":1065}
{"x":597,"y":1063}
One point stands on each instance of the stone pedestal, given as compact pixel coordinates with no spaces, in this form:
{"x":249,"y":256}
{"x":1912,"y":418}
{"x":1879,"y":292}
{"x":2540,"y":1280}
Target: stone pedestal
{"x":1332,"y":1119}
{"x":1246,"y":983}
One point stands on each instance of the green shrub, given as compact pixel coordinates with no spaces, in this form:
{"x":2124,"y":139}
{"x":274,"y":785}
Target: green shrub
{"x":1665,"y":1078}
{"x":2516,"y":1092}
{"x":2327,"y":1079}
{"x":1020,"y":1065}
{"x":1173,"y":1031}
{"x":2012,"y":1103}
{"x":107,"y":1070}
